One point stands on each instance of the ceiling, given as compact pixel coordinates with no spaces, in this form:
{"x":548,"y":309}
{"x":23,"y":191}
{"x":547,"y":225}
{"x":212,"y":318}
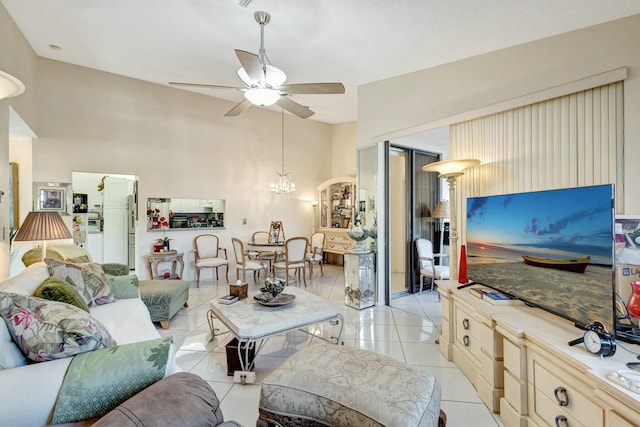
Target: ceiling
{"x":352,"y":41}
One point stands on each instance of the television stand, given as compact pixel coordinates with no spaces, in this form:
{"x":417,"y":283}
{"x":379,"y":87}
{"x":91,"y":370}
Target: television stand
{"x":628,"y":334}
{"x":518,"y":360}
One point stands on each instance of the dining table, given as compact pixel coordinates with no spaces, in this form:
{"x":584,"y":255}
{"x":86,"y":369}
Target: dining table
{"x":277,"y":247}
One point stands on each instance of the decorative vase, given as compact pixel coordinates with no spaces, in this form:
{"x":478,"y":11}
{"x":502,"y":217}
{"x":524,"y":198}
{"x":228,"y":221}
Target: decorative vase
{"x":166,"y":246}
{"x":462,"y":273}
{"x":633,"y":306}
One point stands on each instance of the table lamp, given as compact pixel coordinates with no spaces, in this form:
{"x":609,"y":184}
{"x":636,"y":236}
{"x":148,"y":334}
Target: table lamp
{"x":43,"y":226}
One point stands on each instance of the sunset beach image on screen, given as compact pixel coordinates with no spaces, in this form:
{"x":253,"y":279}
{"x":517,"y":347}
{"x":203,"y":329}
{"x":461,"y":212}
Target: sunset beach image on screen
{"x":552,"y":249}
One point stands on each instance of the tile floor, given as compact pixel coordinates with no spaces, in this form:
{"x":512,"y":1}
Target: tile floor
{"x":406,"y":331}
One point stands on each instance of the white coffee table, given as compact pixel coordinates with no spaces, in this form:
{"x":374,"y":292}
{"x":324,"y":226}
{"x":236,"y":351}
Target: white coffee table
{"x":252,"y":322}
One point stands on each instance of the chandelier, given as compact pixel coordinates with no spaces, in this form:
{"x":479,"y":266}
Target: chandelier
{"x":284,"y":186}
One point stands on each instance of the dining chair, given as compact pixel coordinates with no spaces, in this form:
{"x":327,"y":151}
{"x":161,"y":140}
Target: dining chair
{"x":426,"y":262}
{"x":209,"y":254}
{"x":262,"y":238}
{"x":244,"y":263}
{"x":315,"y":254}
{"x":294,"y":257}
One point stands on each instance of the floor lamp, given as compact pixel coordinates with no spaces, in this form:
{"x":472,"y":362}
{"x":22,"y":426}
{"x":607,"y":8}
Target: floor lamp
{"x":314,"y":203}
{"x":43,"y":226}
{"x":451,"y":170}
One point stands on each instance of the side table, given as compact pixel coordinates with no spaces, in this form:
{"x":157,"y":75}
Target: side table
{"x":154,"y":259}
{"x":360,"y":279}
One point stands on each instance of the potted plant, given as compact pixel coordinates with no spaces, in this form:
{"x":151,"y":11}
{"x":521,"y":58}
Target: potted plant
{"x":162,"y":242}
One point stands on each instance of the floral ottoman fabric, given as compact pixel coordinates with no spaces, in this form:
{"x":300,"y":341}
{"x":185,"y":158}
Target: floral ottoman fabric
{"x":342,"y":386}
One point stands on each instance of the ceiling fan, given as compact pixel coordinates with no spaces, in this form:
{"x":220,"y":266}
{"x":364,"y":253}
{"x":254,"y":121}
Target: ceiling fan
{"x":264,"y":84}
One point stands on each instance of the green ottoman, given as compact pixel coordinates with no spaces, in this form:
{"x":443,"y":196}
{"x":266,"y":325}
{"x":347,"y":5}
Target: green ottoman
{"x":164,"y":298}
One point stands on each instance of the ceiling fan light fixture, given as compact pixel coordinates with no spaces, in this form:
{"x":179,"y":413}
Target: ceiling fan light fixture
{"x":274,"y":76}
{"x":262,"y":97}
{"x":10,"y":86}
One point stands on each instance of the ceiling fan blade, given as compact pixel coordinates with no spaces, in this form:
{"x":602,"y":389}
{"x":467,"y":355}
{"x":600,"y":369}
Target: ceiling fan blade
{"x":239,"y":108}
{"x":313,"y":88}
{"x":295,"y":108}
{"x":203,"y":85}
{"x":251,"y":65}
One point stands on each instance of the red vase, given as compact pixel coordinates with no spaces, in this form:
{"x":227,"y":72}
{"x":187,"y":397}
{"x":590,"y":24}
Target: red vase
{"x":462,"y":273}
{"x":633,"y":306}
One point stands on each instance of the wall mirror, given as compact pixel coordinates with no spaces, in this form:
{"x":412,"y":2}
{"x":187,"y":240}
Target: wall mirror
{"x":367,"y":185}
{"x":165,"y":213}
{"x":14,"y":200}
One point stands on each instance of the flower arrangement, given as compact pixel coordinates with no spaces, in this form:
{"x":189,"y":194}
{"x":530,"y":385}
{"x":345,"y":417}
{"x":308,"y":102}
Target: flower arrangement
{"x":156,"y":220}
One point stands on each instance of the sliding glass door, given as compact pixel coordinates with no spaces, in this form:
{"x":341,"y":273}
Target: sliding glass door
{"x":412,"y":195}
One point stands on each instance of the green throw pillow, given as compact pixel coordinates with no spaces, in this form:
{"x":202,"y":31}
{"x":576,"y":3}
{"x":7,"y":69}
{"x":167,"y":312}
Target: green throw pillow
{"x":81,"y":258}
{"x":115,"y":269}
{"x":54,"y":289}
{"x":124,"y":287}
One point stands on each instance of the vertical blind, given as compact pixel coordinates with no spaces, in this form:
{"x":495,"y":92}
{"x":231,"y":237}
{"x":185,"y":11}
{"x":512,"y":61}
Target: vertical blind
{"x":571,"y":141}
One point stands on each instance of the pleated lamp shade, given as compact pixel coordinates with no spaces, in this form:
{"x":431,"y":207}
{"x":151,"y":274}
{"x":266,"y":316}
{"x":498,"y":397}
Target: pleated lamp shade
{"x":43,"y":226}
{"x":441,"y":210}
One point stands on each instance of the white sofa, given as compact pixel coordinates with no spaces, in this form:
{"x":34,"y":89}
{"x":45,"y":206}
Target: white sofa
{"x":28,"y":393}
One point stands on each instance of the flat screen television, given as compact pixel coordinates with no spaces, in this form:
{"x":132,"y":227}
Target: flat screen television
{"x":551,"y":249}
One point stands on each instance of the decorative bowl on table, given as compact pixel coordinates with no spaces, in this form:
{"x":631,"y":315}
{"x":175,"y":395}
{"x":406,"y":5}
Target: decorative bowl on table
{"x":274,"y":285}
{"x":359,"y":236}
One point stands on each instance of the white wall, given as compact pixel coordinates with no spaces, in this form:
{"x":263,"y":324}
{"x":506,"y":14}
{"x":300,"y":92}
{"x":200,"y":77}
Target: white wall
{"x":431,"y":97}
{"x":178,"y":143}
{"x":344,"y":137}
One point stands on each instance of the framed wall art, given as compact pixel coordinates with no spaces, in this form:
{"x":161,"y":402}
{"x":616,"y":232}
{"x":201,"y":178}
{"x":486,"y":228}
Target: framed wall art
{"x":51,"y":199}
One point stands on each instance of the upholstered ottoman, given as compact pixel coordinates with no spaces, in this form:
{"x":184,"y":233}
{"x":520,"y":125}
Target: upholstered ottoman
{"x":332,"y":385}
{"x":164,"y":298}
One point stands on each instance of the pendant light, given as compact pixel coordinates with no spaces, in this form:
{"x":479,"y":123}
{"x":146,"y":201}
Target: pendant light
{"x":284,"y":186}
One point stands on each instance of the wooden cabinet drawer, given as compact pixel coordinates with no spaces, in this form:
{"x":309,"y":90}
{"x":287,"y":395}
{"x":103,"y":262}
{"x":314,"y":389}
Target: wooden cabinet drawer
{"x":616,"y":420}
{"x":557,"y":388}
{"x":515,"y":392}
{"x":467,"y":330}
{"x":554,"y":415}
{"x":515,"y":360}
{"x":509,"y":416}
{"x":486,"y":340}
{"x":337,"y":242}
{"x":445,"y":304}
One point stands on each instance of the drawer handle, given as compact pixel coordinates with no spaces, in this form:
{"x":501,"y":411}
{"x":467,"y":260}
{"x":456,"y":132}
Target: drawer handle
{"x":465,"y":340}
{"x":561,"y":396}
{"x":465,"y":324}
{"x":561,"y":419}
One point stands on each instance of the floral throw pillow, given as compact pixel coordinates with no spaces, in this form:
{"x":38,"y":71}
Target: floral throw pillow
{"x":88,"y":278}
{"x":47,"y":330}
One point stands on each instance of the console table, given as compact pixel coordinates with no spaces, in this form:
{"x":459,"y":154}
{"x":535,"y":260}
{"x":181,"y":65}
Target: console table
{"x":156,"y":258}
{"x":518,"y":359}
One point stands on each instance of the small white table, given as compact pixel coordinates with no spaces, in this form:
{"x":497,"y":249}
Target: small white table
{"x":252,"y":322}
